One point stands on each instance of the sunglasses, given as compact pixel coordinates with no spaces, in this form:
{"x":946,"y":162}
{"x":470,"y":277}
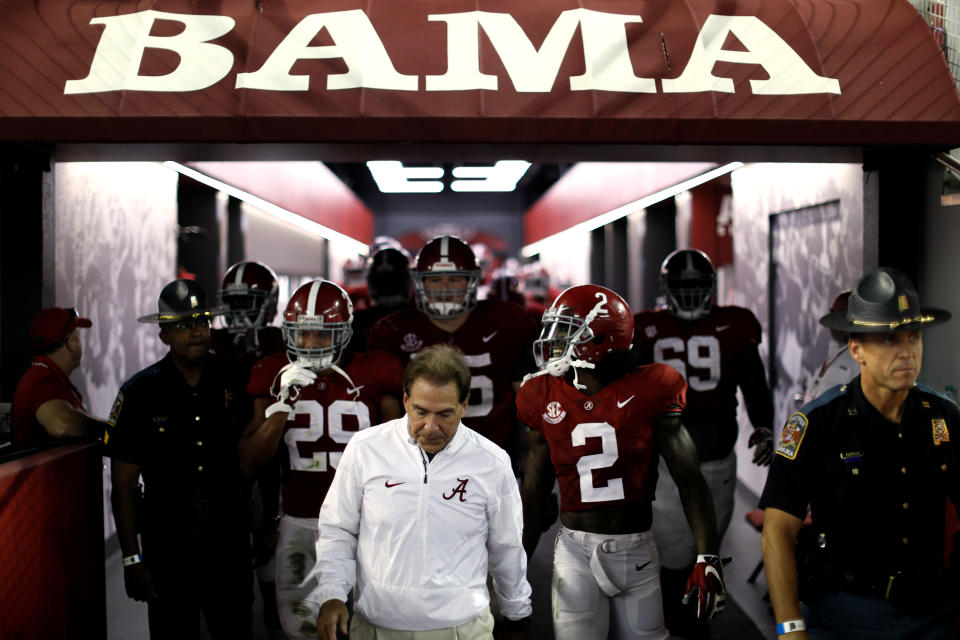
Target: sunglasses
{"x":74,"y":316}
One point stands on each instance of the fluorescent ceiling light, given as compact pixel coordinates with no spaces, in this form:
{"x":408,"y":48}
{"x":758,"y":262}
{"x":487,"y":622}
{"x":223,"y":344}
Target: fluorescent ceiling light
{"x":503,"y":176}
{"x":349,"y":244}
{"x":392,"y":177}
{"x":606,"y":218}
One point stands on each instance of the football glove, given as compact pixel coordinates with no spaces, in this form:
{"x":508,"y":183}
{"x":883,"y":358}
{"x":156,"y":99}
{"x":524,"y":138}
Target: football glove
{"x":705,"y":585}
{"x":762,"y":439}
{"x":292,"y":377}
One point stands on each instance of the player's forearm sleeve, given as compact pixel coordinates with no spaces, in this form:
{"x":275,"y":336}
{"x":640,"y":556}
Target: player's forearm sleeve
{"x":339,"y":524}
{"x":507,"y":559}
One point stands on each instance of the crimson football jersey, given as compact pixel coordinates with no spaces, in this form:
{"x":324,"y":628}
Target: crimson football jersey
{"x":706,"y":352}
{"x":496,"y":340}
{"x":601,"y":446}
{"x":325,"y":416}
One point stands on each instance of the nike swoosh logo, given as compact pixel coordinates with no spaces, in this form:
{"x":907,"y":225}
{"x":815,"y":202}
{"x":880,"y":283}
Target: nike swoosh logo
{"x":489,"y":337}
{"x":621,"y":405}
{"x":641,"y":566}
{"x":356,"y":389}
{"x":722,"y":327}
{"x":388,"y":485}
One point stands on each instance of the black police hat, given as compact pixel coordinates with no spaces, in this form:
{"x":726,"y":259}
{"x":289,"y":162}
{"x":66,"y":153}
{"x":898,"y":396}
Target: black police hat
{"x":884,"y":301}
{"x":181,"y":300}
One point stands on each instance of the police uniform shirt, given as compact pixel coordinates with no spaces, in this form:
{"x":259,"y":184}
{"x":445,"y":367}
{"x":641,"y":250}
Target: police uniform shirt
{"x":184,"y":441}
{"x":876,"y":489}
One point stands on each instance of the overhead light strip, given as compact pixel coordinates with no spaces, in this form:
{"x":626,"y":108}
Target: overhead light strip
{"x":315,"y":228}
{"x":615,"y":214}
{"x":392,"y":177}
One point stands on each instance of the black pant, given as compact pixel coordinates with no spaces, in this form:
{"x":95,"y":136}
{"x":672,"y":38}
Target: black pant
{"x":201,"y":575}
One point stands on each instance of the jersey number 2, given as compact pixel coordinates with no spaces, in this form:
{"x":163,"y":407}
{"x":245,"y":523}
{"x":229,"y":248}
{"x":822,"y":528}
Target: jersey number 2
{"x":586,"y":464}
{"x":335,"y":413}
{"x":696,"y":358}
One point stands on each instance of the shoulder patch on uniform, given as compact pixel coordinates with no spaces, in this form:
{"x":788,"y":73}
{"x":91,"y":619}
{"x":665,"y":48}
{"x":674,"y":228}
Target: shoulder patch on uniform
{"x":792,"y":435}
{"x":115,"y":410}
{"x":555,"y":413}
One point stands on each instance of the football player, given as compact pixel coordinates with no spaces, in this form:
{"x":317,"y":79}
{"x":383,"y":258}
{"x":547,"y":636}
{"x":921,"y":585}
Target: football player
{"x":390,"y":288}
{"x":308,"y":403}
{"x":249,"y":292}
{"x":715,"y":349}
{"x":598,"y":422}
{"x":494,"y":335}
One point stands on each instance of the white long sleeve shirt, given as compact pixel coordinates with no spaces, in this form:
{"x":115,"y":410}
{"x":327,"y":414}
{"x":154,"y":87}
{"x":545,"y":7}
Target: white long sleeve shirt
{"x":419,"y":537}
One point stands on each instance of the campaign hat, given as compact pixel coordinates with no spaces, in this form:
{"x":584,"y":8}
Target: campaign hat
{"x":884,"y":301}
{"x":182,"y":300}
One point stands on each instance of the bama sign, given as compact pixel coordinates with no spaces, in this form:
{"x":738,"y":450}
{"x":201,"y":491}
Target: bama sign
{"x":768,"y":72}
{"x":356,"y":42}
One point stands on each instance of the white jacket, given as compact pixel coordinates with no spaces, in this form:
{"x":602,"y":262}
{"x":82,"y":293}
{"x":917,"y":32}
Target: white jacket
{"x":419,"y":540}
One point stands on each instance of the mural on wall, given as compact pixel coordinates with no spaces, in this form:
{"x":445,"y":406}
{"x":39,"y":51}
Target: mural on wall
{"x":115,"y":238}
{"x":805,"y":277}
{"x":811,"y":217}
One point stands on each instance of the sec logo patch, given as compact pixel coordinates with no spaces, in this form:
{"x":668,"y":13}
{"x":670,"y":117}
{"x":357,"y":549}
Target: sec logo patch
{"x":554,"y":413}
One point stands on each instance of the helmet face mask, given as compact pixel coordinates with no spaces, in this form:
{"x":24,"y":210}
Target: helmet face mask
{"x":249,"y":290}
{"x":689,"y":283}
{"x":560,"y":336}
{"x":446,"y":295}
{"x":317,"y":325}
{"x":316,"y":344}
{"x":441,"y":264}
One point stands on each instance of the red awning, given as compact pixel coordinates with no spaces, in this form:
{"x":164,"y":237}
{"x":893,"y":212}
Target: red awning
{"x":784,"y":72}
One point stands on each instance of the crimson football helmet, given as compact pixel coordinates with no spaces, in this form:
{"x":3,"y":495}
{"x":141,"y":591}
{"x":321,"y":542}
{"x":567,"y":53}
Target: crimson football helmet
{"x":689,"y":283}
{"x":249,"y":290}
{"x":583,"y":324}
{"x":446,"y":256}
{"x":317,"y":324}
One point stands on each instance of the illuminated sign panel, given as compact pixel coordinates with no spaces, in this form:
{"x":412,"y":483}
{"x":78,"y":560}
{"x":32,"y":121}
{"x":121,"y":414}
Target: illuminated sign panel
{"x":698,"y":72}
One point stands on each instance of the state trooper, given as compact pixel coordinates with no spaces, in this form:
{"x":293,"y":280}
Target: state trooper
{"x":874,"y":462}
{"x":176,"y":424}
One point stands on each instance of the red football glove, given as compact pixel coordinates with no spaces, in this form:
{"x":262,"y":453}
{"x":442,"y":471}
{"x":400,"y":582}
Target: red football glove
{"x":706,"y":585}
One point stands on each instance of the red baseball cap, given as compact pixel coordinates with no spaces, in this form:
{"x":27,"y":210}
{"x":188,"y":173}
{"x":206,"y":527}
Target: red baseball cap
{"x":52,"y":325}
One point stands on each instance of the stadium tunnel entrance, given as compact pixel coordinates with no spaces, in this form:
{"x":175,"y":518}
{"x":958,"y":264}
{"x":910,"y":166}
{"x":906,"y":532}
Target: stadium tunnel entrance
{"x":832,"y":113}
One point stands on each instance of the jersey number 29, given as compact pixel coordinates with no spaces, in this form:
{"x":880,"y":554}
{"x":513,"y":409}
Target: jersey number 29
{"x":335,"y":413}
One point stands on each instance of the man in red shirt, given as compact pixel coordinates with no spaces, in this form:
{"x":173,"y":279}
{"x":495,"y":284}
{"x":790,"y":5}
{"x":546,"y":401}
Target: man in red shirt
{"x":46,"y":405}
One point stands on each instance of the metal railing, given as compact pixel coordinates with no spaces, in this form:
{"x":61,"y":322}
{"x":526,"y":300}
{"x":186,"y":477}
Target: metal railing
{"x":943,"y":17}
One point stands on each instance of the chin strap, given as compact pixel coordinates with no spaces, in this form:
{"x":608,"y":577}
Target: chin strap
{"x":354,"y":389}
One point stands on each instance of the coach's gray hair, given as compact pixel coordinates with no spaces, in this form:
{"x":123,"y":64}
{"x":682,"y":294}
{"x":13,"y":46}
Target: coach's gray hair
{"x":439,"y":365}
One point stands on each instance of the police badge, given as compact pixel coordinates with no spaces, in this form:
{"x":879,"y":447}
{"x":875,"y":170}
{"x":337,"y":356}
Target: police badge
{"x":940,"y":432}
